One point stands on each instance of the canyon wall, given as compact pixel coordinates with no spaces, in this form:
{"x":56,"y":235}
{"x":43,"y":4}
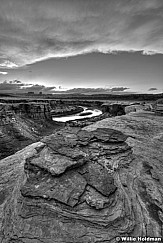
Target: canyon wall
{"x":24,"y":121}
{"x":30,"y":110}
{"x":22,"y":124}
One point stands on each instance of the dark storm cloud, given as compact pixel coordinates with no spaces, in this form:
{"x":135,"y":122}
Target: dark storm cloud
{"x":34,"y":30}
{"x":19,"y":87}
{"x":118,"y":89}
{"x":11,"y":85}
{"x":37,"y":88}
{"x":152,"y":89}
{"x":85,"y":90}
{"x":94,"y":90}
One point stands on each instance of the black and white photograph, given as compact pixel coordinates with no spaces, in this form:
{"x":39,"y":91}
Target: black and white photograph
{"x":81,"y":121}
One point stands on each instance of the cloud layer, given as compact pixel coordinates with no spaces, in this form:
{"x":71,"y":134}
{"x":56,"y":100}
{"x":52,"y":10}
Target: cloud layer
{"x":35,"y":30}
{"x":17,"y":86}
{"x":95,"y":90}
{"x":152,"y":89}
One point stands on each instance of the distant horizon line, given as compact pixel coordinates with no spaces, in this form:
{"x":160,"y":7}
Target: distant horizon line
{"x":84,"y":94}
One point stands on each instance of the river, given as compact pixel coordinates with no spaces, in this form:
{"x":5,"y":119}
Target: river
{"x":78,"y":116}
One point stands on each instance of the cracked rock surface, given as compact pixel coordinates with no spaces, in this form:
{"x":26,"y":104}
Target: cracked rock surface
{"x":86,"y":186}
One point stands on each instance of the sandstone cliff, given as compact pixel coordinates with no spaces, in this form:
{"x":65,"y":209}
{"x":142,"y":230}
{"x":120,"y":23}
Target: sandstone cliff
{"x":86,"y":186}
{"x":22,"y":124}
{"x":30,"y":110}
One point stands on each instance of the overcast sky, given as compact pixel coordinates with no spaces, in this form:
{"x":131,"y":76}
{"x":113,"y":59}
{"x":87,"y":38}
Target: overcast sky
{"x":81,"y":43}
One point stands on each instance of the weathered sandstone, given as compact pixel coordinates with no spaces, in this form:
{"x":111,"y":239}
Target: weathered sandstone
{"x":24,"y":122}
{"x":86,"y":186}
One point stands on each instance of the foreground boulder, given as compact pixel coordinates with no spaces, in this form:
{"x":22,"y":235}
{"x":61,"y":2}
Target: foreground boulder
{"x":86,"y":186}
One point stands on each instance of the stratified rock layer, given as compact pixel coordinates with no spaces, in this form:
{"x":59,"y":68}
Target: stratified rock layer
{"x":140,"y":183}
{"x":86,"y":186}
{"x":22,"y":124}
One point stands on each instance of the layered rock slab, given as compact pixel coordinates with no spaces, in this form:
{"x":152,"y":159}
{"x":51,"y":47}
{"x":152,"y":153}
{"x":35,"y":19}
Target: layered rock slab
{"x":66,"y":189}
{"x":140,"y":182}
{"x":86,"y":185}
{"x":56,"y":163}
{"x":61,"y":186}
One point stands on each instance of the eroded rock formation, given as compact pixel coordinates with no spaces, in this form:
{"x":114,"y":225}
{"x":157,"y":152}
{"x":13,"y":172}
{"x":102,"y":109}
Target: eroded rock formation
{"x":141,"y":183}
{"x":114,"y":109}
{"x":86,"y":186}
{"x":22,"y":124}
{"x":158,"y":107}
{"x":31,"y":110}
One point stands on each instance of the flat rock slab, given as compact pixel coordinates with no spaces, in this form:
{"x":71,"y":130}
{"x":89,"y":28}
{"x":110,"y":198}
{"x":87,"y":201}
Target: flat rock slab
{"x":57,"y":163}
{"x":65,"y":189}
{"x":61,"y":138}
{"x":109,"y":135}
{"x":98,"y":177}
